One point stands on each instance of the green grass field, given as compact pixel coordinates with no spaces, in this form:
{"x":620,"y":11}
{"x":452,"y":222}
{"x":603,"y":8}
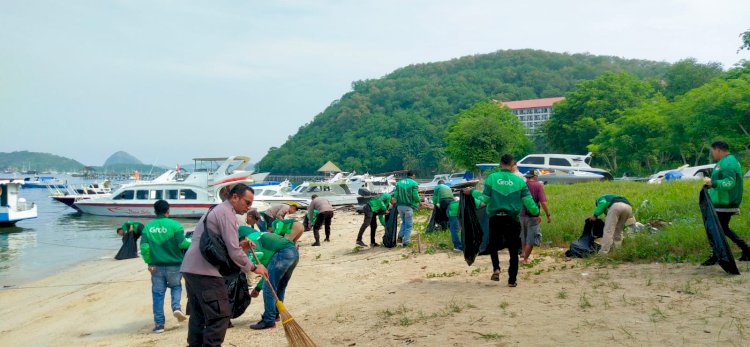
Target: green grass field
{"x":682,"y":241}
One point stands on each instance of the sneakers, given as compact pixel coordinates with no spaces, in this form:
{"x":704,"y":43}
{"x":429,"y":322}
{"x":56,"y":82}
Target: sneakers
{"x":327,"y":240}
{"x":260,"y":326}
{"x":710,"y":261}
{"x":457,"y":250}
{"x":512,"y":285}
{"x":316,"y":244}
{"x":495,"y":276}
{"x":158,"y":329}
{"x":361,"y":244}
{"x":374,"y":244}
{"x":181,"y":317}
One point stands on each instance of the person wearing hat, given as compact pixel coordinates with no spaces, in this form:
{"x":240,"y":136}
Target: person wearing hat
{"x":290,"y":228}
{"x":279,"y":212}
{"x":531,"y":233}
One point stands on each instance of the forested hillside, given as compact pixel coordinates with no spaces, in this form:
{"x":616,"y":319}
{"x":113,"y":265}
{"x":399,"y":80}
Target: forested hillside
{"x":399,"y":121}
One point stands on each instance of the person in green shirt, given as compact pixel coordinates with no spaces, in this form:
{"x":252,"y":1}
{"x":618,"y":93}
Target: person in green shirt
{"x":441,"y":198}
{"x":130,"y":232}
{"x":281,"y":257}
{"x":618,"y":210}
{"x":725,"y":191}
{"x":504,"y":196}
{"x":161,"y":248}
{"x":377,"y":206}
{"x":406,"y":198}
{"x":453,"y":221}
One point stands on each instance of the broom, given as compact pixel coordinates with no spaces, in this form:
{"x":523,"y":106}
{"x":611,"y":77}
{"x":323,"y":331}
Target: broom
{"x":294,"y":333}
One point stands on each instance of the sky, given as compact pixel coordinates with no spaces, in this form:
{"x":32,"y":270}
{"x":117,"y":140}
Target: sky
{"x":168,"y":81}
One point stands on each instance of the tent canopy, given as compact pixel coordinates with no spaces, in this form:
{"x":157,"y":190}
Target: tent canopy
{"x":329,"y":167}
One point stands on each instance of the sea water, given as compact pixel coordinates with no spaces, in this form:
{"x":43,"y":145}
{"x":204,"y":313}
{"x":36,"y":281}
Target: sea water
{"x":59,"y":238}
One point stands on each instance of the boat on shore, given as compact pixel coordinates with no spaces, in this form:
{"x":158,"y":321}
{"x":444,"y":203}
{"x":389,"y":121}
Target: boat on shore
{"x":14,"y":208}
{"x":574,"y":165}
{"x":189,"y":195}
{"x":337,"y":192}
{"x":274,"y":194}
{"x":684,"y":172}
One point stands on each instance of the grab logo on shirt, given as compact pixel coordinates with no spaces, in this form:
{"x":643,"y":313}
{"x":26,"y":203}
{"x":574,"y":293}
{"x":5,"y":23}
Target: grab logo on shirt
{"x":157,"y":230}
{"x":502,"y":182}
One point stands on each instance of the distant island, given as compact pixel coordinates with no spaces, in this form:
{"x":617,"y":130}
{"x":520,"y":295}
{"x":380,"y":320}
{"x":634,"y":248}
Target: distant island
{"x":27,"y":162}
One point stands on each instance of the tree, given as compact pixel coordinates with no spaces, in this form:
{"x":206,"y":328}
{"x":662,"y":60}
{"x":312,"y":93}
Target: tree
{"x":688,"y":74}
{"x":483,"y":133}
{"x":593,"y":104}
{"x":745,"y":37}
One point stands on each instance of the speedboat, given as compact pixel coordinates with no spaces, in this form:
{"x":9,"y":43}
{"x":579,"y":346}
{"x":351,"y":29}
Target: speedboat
{"x":337,"y":193}
{"x":43,"y":182}
{"x":372,"y":184}
{"x":70,"y":195}
{"x":684,"y":172}
{"x":189,"y":195}
{"x":278,"y":194}
{"x":561,"y":162}
{"x":12,"y":207}
{"x":457,"y":179}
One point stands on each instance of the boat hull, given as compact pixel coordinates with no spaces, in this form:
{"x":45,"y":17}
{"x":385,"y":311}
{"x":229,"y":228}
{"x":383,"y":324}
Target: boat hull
{"x":146,"y":210}
{"x":9,"y":217}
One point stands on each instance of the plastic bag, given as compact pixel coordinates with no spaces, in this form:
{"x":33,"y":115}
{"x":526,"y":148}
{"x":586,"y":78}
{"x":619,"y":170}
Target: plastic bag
{"x":129,"y":248}
{"x":238,"y":292}
{"x":471,"y":229}
{"x":716,"y":234}
{"x":391,"y":229}
{"x":585,"y":245}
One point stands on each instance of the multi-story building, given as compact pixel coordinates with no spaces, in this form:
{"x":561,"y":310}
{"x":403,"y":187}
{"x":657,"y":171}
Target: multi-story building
{"x":532,"y":113}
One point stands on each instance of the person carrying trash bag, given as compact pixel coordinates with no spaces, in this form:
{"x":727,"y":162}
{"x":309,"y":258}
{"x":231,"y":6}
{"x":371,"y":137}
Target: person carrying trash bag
{"x":441,"y":198}
{"x":376,"y":208}
{"x":725,"y":192}
{"x":504,"y":195}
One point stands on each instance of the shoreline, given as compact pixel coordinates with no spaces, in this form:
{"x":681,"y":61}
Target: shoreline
{"x":396,"y":297}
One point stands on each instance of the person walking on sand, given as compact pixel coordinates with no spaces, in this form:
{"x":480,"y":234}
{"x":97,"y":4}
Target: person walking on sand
{"x":618,"y":210}
{"x":531,"y":233}
{"x":406,"y":198}
{"x":208,"y":300}
{"x":374,"y":209}
{"x":504,"y":195}
{"x":325,"y":216}
{"x":162,"y":242}
{"x":725,"y":191}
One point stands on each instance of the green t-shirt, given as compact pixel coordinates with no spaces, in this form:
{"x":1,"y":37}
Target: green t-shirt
{"x":162,"y":242}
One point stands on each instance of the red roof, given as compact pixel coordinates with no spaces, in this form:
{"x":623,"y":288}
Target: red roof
{"x":546,"y":102}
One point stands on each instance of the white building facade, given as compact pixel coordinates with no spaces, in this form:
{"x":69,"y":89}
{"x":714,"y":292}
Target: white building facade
{"x":532,"y":113}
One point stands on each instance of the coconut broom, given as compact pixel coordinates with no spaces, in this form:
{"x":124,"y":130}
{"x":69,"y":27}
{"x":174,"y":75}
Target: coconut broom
{"x":295,"y":335}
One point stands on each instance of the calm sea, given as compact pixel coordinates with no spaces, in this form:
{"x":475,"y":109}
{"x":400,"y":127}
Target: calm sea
{"x":56,"y":240}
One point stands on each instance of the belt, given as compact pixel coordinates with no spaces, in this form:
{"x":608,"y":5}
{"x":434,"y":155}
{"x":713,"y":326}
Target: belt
{"x":501,"y":213}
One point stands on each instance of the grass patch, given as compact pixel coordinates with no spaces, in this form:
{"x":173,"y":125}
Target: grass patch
{"x":406,"y":316}
{"x":562,"y":294}
{"x":491,"y":337}
{"x":439,"y":275}
{"x":584,"y":302}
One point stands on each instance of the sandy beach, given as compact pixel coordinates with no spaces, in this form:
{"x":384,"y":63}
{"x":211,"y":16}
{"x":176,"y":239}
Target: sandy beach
{"x":398,"y":297}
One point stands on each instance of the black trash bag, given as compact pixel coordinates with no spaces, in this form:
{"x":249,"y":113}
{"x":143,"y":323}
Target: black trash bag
{"x":585,"y":245}
{"x":391,"y":229}
{"x":238,"y":291}
{"x":431,"y":221}
{"x":129,"y":248}
{"x":716,"y":234}
{"x":471,"y":229}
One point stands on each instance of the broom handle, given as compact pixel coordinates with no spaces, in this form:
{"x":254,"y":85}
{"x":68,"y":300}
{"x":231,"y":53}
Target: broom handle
{"x":268,"y":282}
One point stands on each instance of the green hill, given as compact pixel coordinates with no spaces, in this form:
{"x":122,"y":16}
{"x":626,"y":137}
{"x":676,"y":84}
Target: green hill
{"x":121,"y":157}
{"x":36,"y":161}
{"x":398,"y":121}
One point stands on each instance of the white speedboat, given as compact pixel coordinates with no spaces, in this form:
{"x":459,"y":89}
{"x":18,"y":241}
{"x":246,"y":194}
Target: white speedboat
{"x":372,"y":184}
{"x":14,"y":208}
{"x":70,"y":194}
{"x":561,"y":162}
{"x":278,"y":194}
{"x":189,"y":195}
{"x":337,"y":193}
{"x":454,"y":179}
{"x":684,"y":172}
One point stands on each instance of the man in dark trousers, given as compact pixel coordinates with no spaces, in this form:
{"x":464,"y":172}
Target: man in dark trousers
{"x":374,"y":209}
{"x":726,"y":188}
{"x":208,"y":300}
{"x":325,"y":216}
{"x":504,"y":195}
